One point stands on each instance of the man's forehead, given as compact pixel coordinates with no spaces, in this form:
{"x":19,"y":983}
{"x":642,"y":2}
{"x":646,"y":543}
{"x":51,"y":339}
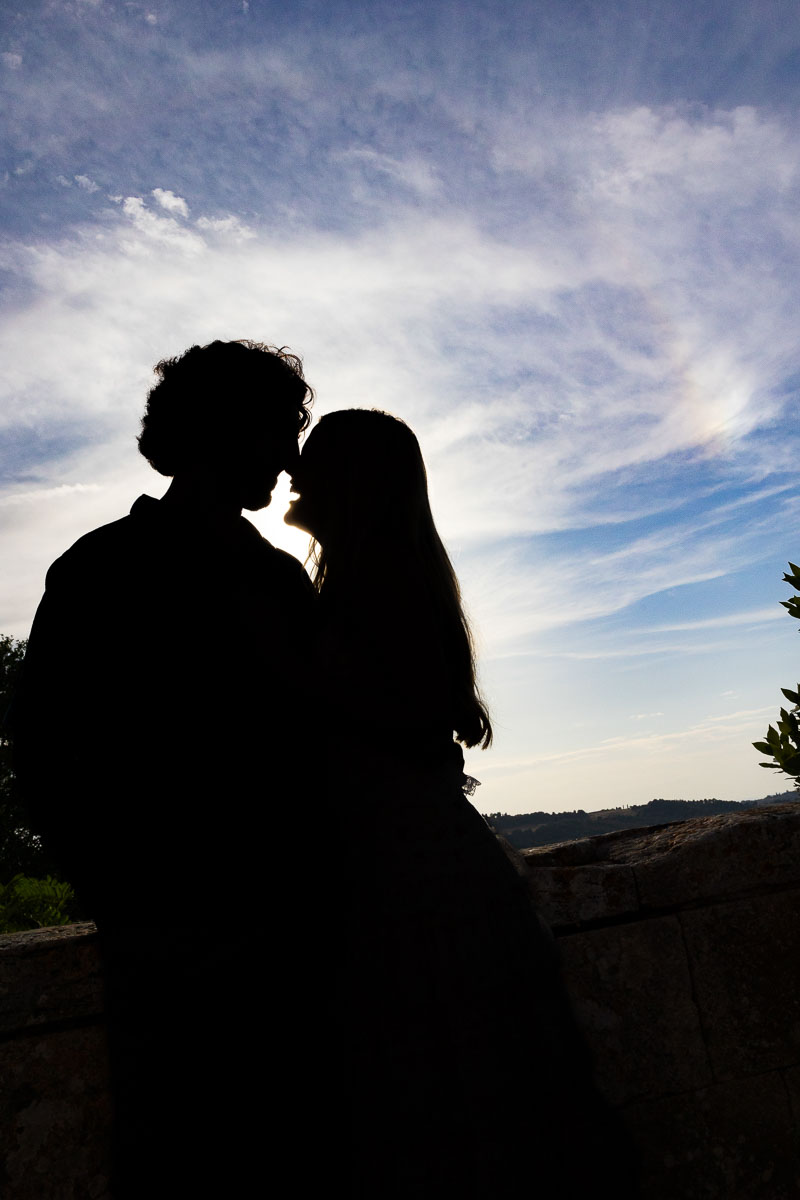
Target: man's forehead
{"x":265,"y":421}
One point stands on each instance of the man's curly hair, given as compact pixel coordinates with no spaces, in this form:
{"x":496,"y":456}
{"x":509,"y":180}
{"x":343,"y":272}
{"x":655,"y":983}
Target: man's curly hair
{"x":201,"y":391}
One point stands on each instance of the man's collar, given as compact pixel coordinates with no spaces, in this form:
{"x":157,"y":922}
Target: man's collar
{"x":148,"y":511}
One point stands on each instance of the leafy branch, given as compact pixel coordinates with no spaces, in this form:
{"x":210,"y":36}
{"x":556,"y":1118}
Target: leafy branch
{"x":782,"y":744}
{"x":793,"y":604}
{"x":27,"y":903}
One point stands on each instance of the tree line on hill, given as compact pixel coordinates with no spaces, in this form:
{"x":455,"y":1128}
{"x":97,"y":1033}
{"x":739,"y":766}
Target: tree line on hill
{"x":524,"y":830}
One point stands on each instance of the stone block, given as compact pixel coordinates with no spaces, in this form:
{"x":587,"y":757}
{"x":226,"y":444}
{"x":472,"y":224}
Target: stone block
{"x":743,"y":957}
{"x":731,"y":1141}
{"x":719,"y":857}
{"x":55,"y":1115}
{"x":632,"y":995}
{"x":569,"y":896}
{"x":49,"y":975}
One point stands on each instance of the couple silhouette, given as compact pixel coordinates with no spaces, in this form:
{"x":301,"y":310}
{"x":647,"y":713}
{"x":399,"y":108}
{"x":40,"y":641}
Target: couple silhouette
{"x":378,"y":1010}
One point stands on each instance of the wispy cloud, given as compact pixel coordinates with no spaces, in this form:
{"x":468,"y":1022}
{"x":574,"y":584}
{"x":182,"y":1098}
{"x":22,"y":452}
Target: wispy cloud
{"x":414,"y":174}
{"x":39,"y":494}
{"x":710,"y":730}
{"x":755,"y":617}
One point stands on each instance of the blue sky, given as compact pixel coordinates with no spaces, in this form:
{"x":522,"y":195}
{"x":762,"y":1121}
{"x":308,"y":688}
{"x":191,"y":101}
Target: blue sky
{"x":560,"y":239}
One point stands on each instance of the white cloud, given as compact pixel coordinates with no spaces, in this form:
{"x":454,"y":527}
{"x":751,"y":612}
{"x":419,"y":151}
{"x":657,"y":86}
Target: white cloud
{"x":171,"y":202}
{"x":88,"y":185}
{"x":229,"y":225}
{"x":164,"y":231}
{"x":11,"y":60}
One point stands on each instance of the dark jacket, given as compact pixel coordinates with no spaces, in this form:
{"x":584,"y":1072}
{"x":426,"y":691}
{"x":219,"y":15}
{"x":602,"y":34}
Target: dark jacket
{"x":158,"y":722}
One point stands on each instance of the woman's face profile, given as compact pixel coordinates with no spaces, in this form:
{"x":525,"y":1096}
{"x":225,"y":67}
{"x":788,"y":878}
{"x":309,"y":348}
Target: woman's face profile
{"x":313,"y":481}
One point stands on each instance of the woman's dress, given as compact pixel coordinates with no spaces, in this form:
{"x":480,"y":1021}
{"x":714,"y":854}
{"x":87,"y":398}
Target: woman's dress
{"x":461,"y":1070}
{"x":464,"y":1073}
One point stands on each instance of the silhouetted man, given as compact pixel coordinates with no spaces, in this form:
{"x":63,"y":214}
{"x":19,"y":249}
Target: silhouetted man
{"x":158,"y":733}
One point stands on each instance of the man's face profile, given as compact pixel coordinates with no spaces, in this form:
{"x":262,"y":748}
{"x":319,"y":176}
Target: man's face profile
{"x":251,"y":455}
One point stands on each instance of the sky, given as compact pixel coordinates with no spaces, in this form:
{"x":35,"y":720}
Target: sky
{"x":560,"y":239}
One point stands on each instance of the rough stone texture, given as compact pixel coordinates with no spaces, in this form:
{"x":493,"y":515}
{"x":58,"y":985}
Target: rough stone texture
{"x":680,"y":947}
{"x":55,"y":1116}
{"x":54,"y":1102}
{"x":598,"y":891}
{"x":686,"y":985}
{"x":689,"y":862}
{"x":632,"y":995}
{"x":744,"y":957}
{"x":49,"y":975}
{"x":731,"y":1141}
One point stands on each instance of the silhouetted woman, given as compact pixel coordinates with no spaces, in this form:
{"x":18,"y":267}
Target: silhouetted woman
{"x":463,"y":1072}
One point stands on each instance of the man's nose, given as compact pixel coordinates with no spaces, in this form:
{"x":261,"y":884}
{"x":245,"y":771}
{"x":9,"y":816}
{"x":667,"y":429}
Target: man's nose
{"x":291,"y":458}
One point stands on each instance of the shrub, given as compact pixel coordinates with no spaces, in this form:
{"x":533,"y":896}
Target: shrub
{"x":27,"y":903}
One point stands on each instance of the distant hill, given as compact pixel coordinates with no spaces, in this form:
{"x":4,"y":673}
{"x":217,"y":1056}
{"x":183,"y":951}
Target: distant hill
{"x":542,"y":829}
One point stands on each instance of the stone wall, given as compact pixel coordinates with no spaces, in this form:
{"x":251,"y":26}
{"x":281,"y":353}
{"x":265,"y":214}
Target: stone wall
{"x":681,"y":950}
{"x":54,"y":1109}
{"x":680,"y":946}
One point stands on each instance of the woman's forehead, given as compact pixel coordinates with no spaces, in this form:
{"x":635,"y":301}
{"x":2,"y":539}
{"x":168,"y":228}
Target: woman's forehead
{"x":315,"y":441}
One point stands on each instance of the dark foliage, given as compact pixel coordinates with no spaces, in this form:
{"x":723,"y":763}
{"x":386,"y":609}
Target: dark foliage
{"x":31,"y":893}
{"x":21,"y":851}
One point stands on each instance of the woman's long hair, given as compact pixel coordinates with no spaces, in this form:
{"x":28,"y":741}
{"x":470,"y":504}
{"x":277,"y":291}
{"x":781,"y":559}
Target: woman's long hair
{"x":379,"y":530}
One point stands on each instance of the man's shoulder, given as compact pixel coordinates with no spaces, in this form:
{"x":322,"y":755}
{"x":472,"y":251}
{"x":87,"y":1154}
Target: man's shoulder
{"x":99,"y":547}
{"x":103,"y":538}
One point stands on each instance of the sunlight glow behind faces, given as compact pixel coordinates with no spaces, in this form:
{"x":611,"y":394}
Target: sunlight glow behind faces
{"x":269,"y":522}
